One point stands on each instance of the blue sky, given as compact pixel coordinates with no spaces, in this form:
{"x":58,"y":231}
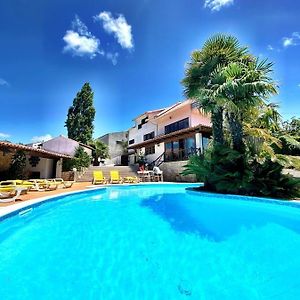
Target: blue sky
{"x":132,"y":52}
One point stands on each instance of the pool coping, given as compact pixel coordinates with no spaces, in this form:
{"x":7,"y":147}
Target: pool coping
{"x":283,"y":202}
{"x":9,"y":211}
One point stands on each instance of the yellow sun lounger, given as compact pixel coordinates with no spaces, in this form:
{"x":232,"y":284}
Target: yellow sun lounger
{"x":131,"y":179}
{"x":115,"y":177}
{"x":41,"y":185}
{"x":11,"y":193}
{"x":17,"y":183}
{"x":98,"y":178}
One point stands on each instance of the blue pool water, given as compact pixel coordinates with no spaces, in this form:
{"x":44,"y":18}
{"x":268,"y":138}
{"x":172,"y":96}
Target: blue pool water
{"x":143,"y":242}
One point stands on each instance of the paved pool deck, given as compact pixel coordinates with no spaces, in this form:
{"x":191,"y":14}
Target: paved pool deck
{"x":77,"y":186}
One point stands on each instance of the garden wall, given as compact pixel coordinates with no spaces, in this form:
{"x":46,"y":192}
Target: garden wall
{"x":172,"y":172}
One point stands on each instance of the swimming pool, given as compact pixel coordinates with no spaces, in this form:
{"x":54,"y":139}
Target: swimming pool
{"x":151,"y":242}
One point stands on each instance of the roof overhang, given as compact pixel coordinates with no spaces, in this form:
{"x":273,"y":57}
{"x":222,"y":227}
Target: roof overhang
{"x":161,"y":138}
{"x":10,"y":147}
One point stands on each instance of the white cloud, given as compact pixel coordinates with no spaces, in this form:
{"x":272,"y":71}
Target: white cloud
{"x":270,"y":47}
{"x":113,"y":57}
{"x":3,"y":82}
{"x":216,"y":5}
{"x":80,"y":42}
{"x":117,"y":26}
{"x":293,"y":40}
{"x":42,"y":138}
{"x":4,"y":135}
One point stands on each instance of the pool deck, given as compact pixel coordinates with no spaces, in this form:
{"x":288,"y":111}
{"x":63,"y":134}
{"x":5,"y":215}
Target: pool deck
{"x":77,"y":186}
{"x":34,"y":197}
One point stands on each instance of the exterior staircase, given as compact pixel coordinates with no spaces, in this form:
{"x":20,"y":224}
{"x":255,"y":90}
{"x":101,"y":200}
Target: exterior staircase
{"x":123,"y":170}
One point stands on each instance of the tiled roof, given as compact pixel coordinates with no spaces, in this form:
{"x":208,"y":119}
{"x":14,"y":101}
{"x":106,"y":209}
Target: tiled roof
{"x":32,"y":151}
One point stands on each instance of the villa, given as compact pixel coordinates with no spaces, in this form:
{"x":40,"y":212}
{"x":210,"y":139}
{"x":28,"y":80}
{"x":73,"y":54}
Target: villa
{"x":167,"y":137}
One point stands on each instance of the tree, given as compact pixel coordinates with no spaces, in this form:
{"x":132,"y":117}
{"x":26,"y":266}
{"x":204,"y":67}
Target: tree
{"x":292,"y":126}
{"x":242,"y":86}
{"x":239,"y":86}
{"x":100,"y":151}
{"x":81,"y":116}
{"x":17,"y":166}
{"x":80,"y":160}
{"x":217,"y":52}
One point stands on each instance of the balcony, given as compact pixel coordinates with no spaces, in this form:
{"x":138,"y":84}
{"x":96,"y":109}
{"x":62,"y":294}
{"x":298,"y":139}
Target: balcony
{"x":181,"y":154}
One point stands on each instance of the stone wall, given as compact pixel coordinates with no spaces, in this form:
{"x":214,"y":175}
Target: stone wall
{"x":5,"y":159}
{"x":67,"y":176}
{"x":172,"y":172}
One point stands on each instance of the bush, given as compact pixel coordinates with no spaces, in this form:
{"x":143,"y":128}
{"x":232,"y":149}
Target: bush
{"x":81,"y":160}
{"x":224,"y":170}
{"x":17,"y":166}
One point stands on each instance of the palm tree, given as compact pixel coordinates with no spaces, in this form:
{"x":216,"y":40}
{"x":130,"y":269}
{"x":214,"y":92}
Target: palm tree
{"x":100,"y":151}
{"x":239,"y":87}
{"x":219,"y":51}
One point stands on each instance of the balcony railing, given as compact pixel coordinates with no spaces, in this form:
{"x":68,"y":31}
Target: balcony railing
{"x":181,"y":154}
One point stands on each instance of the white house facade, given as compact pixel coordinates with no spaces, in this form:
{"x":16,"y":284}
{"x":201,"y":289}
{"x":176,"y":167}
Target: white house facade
{"x":169,"y":134}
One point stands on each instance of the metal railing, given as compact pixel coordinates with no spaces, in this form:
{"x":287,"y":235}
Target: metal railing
{"x":181,"y":154}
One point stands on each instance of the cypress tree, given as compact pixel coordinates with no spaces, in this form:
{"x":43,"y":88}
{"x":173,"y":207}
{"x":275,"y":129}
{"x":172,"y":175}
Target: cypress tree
{"x":81,"y":116}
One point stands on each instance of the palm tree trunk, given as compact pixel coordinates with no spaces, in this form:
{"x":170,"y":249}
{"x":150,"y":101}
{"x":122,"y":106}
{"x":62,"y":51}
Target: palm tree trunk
{"x":217,"y":126}
{"x":236,"y":131}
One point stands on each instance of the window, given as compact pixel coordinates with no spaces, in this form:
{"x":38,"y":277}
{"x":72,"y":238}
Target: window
{"x":143,"y":121}
{"x":179,"y":149}
{"x":182,"y":124}
{"x":131,"y":142}
{"x":149,"y":136}
{"x":205,"y":141}
{"x":149,"y":150}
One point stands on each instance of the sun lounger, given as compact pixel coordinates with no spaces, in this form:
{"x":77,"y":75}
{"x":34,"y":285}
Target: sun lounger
{"x":115,"y":177}
{"x":41,"y":185}
{"x":17,"y":183}
{"x":10,"y":193}
{"x":60,"y":181}
{"x":131,"y":179}
{"x":98,"y":178}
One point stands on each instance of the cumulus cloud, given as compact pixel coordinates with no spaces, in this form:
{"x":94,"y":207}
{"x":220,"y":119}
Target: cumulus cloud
{"x":118,"y":27}
{"x":42,"y":138}
{"x":293,"y":40}
{"x":3,"y":82}
{"x":216,"y":5}
{"x":80,"y":42}
{"x":4,"y":135}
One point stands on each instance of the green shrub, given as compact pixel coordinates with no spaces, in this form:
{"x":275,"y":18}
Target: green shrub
{"x":17,"y":166}
{"x":81,"y":160}
{"x":224,"y":170}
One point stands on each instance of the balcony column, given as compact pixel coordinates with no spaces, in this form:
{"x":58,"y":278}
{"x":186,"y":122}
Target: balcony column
{"x":59,"y":168}
{"x":198,"y":139}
